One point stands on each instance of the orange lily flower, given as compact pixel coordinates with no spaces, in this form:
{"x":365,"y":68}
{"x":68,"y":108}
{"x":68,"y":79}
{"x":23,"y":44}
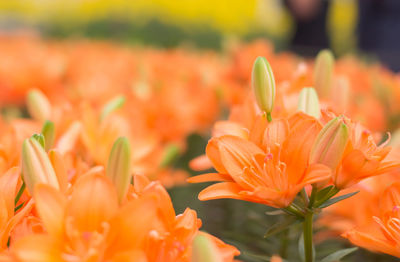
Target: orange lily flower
{"x":383,"y":235}
{"x":92,"y":226}
{"x":363,"y":158}
{"x":270,"y":168}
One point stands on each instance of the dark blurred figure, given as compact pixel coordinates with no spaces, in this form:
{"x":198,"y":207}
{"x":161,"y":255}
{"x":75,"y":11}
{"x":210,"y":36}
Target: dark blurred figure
{"x":310,"y":21}
{"x":379,"y":30}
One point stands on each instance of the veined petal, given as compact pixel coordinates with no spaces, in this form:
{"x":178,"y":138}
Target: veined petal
{"x":372,"y":243}
{"x":275,"y":134}
{"x":210,"y":177}
{"x":296,"y":148}
{"x":214,"y":155}
{"x":236,"y":154}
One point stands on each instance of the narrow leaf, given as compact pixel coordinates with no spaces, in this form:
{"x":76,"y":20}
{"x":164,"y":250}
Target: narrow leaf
{"x":336,"y":256}
{"x":322,"y":193}
{"x":274,"y":212}
{"x":337,"y":199}
{"x":281,"y":225}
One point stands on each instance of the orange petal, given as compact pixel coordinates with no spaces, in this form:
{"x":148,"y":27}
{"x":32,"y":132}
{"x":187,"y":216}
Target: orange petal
{"x":200,"y":163}
{"x":93,"y":201}
{"x":222,"y":190}
{"x":8,"y":185}
{"x":50,"y":204}
{"x":210,"y":177}
{"x":236,"y":154}
{"x":371,"y":242}
{"x":222,"y":128}
{"x":140,"y":182}
{"x":59,"y":167}
{"x":36,"y":248}
{"x":214,"y":156}
{"x":130,"y":256}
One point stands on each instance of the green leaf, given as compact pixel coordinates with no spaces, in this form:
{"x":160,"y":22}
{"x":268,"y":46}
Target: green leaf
{"x":337,"y":199}
{"x":336,"y":256}
{"x":112,"y":105}
{"x":322,"y":193}
{"x":287,"y":222}
{"x":275,"y":212}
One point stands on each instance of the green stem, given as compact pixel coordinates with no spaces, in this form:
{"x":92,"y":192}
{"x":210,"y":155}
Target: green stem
{"x":308,"y":237}
{"x":19,"y":194}
{"x":294,"y":211}
{"x":269,"y":117}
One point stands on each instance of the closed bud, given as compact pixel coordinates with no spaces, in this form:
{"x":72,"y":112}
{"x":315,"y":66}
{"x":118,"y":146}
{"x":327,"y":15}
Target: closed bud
{"x":38,"y":105}
{"x":119,"y":165}
{"x":330,"y":144}
{"x":308,"y":102}
{"x":36,"y":166}
{"x":49,"y":134}
{"x":40,"y":139}
{"x":263,"y":84}
{"x":111,"y":106}
{"x":204,"y":250}
{"x":171,"y":152}
{"x":323,"y":73}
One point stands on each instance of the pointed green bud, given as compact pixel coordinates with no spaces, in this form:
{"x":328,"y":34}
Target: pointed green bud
{"x":40,"y":139}
{"x":309,"y":103}
{"x":323,"y":73}
{"x":330,"y":144}
{"x":36,"y":165}
{"x":263,"y":84}
{"x":204,"y":250}
{"x":171,"y":152}
{"x":119,"y":166}
{"x":49,"y":134}
{"x":39,"y":107}
{"x":111,"y":106}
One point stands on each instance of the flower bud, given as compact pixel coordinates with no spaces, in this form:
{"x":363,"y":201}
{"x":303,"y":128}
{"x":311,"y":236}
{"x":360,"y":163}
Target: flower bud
{"x":323,"y":73}
{"x":111,"y":106}
{"x":49,"y":134}
{"x":263,"y":84}
{"x":38,"y":105}
{"x":171,"y":152}
{"x":119,"y":165}
{"x":309,"y":103}
{"x":204,"y":250}
{"x":330,"y":144}
{"x":36,"y":166}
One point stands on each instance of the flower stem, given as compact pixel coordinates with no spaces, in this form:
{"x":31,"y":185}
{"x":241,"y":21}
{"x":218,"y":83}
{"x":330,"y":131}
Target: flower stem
{"x":269,"y":117}
{"x":308,"y":236}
